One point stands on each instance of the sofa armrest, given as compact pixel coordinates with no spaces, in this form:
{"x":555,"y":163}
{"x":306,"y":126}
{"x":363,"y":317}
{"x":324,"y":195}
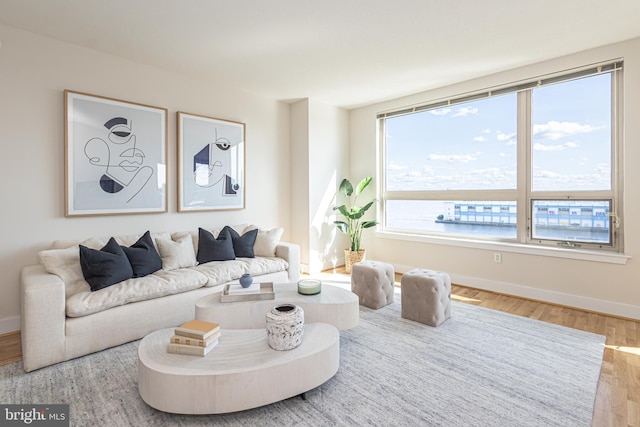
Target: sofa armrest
{"x":43,"y":318}
{"x":291,"y":253}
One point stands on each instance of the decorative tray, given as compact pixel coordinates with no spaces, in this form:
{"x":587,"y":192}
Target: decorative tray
{"x":266,"y":292}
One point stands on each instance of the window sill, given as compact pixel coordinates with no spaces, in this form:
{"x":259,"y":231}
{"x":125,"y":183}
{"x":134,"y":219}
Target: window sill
{"x":577,"y":254}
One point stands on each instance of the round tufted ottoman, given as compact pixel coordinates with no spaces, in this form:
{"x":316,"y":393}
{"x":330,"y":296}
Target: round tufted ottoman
{"x":426,"y":296}
{"x":373,"y":281}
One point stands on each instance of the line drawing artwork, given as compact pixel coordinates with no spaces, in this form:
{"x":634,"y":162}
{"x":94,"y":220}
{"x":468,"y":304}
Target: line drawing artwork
{"x":210,"y":163}
{"x":122,"y":162}
{"x":211,"y":166}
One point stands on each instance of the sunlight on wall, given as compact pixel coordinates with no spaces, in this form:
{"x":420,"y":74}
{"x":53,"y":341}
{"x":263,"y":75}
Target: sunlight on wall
{"x":323,"y":253}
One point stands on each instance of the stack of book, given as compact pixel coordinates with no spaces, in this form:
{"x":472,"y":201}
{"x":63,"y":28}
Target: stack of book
{"x":195,"y":338}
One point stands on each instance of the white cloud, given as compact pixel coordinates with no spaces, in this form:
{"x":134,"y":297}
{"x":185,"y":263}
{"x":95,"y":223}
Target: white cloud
{"x":465,"y":111}
{"x":566,"y":146}
{"x":555,"y":130}
{"x":492,"y":178}
{"x":485,"y":131}
{"x":480,"y":138}
{"x":395,"y":167}
{"x":452,"y":158}
{"x":603,"y":168}
{"x":504,"y":136}
{"x":548,"y":180}
{"x":440,"y":111}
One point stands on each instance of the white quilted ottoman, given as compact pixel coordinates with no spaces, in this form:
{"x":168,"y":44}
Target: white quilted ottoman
{"x":426,"y":296}
{"x":373,"y":281}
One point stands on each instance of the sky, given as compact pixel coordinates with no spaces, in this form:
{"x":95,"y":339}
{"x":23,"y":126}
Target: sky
{"x":473,"y":145}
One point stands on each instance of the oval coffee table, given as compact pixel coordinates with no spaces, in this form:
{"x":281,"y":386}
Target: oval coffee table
{"x":241,"y":372}
{"x":336,"y":306}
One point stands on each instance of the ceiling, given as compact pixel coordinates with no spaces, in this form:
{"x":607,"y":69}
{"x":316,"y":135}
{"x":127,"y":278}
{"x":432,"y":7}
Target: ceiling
{"x":347,"y":53}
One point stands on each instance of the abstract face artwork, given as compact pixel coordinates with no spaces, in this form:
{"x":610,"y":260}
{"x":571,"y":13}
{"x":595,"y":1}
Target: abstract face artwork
{"x":115,"y":156}
{"x":211,"y":166}
{"x":120,"y":158}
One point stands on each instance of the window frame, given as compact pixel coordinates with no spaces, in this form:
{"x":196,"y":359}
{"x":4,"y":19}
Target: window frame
{"x":522,"y":195}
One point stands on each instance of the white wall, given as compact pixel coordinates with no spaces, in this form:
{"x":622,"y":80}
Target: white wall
{"x":328,"y":160}
{"x":299,"y":168}
{"x":592,"y":285}
{"x":319,"y":155}
{"x":34,"y":71}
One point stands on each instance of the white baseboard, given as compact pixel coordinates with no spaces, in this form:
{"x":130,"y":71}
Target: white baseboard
{"x":577,"y":301}
{"x":9,"y":324}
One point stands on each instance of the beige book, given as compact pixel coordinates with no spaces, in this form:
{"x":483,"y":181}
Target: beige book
{"x":197,"y":329}
{"x":180,"y":339}
{"x":190,"y":350}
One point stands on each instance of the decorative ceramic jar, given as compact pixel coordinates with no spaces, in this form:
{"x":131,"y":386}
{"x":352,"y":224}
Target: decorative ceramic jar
{"x":309,"y":286}
{"x":246,"y":280}
{"x":285,"y":327}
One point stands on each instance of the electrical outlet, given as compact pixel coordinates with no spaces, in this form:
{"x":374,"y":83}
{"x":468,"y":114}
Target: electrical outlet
{"x":497,"y":257}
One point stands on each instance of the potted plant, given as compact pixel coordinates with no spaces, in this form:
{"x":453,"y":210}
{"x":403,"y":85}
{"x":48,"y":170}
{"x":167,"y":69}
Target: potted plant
{"x":354,"y":222}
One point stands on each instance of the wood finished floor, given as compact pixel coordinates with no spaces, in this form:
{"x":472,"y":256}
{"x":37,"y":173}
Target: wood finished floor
{"x":618,"y":393}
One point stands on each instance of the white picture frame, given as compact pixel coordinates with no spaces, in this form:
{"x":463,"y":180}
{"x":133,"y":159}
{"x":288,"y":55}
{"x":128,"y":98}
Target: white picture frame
{"x":211,"y":163}
{"x":115,"y":156}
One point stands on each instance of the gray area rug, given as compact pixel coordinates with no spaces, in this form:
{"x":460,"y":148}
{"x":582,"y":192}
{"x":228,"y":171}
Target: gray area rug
{"x":479,"y":368}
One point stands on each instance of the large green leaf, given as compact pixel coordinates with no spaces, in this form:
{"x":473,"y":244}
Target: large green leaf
{"x":355,"y":213}
{"x":363,"y":184}
{"x":369,"y":224}
{"x":342,"y":226}
{"x":367,"y":206}
{"x":346,"y":188}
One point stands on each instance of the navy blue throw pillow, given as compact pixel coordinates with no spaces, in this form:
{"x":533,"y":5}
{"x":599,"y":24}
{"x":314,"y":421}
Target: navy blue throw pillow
{"x":143,"y":256}
{"x":105,"y":267}
{"x":242,"y":245}
{"x":212,"y":249}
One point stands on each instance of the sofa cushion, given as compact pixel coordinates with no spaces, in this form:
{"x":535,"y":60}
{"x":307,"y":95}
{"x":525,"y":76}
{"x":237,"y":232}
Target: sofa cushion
{"x":219,"y":272}
{"x":105,"y":267}
{"x":263,"y":265}
{"x":266,"y":241}
{"x":65,"y":263}
{"x":212,"y":249}
{"x":176,"y":253}
{"x":242,"y":245}
{"x":156,"y":285}
{"x":143,"y":257}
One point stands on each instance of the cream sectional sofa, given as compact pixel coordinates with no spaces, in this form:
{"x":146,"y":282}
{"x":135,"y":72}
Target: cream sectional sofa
{"x":63,"y":319}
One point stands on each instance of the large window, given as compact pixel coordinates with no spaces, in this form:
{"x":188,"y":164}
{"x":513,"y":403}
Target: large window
{"x":530,"y":163}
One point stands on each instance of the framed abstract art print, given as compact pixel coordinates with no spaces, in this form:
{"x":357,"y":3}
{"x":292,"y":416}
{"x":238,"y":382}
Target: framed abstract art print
{"x":211,"y":168}
{"x":115,"y":156}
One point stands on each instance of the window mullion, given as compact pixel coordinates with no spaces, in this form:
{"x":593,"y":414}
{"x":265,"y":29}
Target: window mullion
{"x":617,"y":153}
{"x":524,"y":165}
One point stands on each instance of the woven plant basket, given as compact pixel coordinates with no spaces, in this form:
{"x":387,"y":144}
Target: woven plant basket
{"x":351,"y":258}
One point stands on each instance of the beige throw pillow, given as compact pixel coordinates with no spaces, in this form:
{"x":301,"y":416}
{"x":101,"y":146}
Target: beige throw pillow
{"x":176,"y":254}
{"x":266,"y":241}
